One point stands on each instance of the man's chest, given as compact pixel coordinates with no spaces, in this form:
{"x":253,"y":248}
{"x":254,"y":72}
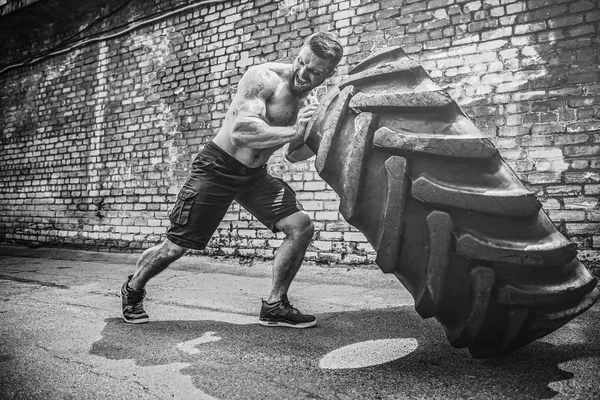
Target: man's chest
{"x":282,"y":109}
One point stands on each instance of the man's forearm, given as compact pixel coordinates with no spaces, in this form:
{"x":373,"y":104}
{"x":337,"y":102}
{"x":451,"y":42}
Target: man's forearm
{"x":257,"y":134}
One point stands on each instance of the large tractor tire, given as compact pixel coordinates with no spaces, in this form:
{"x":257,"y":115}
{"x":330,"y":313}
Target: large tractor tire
{"x":444,"y":212}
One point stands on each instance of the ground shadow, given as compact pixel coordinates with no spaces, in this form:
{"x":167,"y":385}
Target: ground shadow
{"x":284,"y":363}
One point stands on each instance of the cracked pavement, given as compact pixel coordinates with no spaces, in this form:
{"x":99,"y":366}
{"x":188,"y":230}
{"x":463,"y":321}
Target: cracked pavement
{"x":62,"y":336}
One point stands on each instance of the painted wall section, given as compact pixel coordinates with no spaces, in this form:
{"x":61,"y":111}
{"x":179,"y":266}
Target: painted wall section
{"x":95,"y":143}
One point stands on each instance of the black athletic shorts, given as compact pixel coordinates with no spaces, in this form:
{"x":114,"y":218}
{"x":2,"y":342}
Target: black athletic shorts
{"x":215,"y":181}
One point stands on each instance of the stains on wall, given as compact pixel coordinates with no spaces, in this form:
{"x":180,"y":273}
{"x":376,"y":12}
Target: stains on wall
{"x":95,"y":143}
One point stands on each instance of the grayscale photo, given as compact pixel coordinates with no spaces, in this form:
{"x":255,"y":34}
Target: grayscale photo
{"x":300,"y":199}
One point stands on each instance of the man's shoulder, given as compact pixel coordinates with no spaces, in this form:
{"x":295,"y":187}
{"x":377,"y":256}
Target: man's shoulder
{"x":272,"y":72}
{"x":279,"y":68}
{"x":263,"y":79}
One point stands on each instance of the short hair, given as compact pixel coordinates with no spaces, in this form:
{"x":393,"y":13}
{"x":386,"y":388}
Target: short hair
{"x":326,"y":45}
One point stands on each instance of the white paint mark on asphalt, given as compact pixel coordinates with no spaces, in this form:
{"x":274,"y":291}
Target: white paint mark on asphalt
{"x":366,"y":354}
{"x":190,"y":346}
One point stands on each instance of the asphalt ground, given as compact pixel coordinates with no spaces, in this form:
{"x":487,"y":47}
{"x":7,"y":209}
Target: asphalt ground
{"x":62,"y":337}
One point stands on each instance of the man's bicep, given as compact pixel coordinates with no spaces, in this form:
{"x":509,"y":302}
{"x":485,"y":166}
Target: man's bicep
{"x":253,"y":93}
{"x":249,"y":108}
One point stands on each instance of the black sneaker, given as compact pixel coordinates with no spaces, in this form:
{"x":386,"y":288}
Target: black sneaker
{"x":133,"y":304}
{"x":283,"y":314}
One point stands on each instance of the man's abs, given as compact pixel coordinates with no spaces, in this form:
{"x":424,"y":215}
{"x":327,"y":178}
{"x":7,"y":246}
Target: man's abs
{"x":249,"y":157}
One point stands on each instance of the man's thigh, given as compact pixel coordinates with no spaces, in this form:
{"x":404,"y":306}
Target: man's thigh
{"x":269,"y":199}
{"x":200,"y":207}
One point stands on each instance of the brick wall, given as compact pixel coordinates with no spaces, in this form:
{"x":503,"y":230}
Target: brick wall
{"x":96,"y":142}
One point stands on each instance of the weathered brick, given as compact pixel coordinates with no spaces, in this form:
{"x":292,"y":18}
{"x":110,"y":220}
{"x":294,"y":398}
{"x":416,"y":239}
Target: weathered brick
{"x":592,"y":16}
{"x":513,"y":131}
{"x":413,"y":8}
{"x":330,"y":236}
{"x":320,"y":245}
{"x":570,"y":138}
{"x":530,"y":28}
{"x":529,"y":95}
{"x":580,"y":164}
{"x":590,"y":190}
{"x":582,"y":177}
{"x":326,"y":216}
{"x":579,"y":151}
{"x":354,"y":237}
{"x":569,"y":20}
{"x":570,"y":216}
{"x":535,"y":178}
{"x":497,"y":55}
{"x":315,"y":186}
{"x":594,"y":216}
{"x":546,"y":129}
{"x":584,"y":203}
{"x":582,"y":228}
{"x":550,"y":204}
{"x":580,"y":31}
{"x":568,"y":190}
{"x":367,"y":9}
{"x":545,"y":153}
{"x":549,"y":12}
{"x":343,"y":15}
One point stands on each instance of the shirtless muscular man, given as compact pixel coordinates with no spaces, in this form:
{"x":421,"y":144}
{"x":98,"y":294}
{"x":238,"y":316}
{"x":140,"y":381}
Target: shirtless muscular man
{"x":270,"y":110}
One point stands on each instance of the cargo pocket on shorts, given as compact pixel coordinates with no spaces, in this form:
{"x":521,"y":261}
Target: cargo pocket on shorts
{"x":181,"y":210}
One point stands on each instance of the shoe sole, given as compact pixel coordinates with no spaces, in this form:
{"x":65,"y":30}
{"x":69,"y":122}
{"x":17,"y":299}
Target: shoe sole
{"x":133,"y":321}
{"x":287,"y":324}
{"x":136,"y":321}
